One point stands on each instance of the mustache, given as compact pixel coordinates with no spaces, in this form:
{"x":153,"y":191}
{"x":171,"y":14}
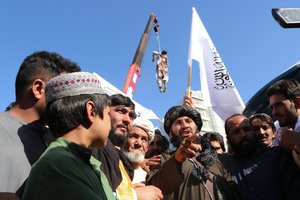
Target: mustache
{"x":122,"y":126}
{"x":262,"y":136}
{"x":185,"y":129}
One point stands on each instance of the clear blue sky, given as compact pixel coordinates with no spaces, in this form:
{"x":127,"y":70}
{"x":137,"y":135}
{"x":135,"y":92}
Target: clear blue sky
{"x":102,"y":37}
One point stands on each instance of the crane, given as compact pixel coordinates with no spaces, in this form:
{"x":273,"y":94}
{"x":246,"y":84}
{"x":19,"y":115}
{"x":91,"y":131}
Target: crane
{"x":135,"y":67}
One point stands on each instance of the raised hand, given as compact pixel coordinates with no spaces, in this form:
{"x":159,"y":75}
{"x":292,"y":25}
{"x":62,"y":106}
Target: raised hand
{"x":187,"y":148}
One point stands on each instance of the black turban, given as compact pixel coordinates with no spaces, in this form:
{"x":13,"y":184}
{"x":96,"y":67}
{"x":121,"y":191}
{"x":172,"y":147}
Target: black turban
{"x":179,"y":111}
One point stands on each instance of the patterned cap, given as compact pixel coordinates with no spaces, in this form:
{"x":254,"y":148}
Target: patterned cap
{"x":72,"y":84}
{"x":179,"y":111}
{"x":147,"y":126}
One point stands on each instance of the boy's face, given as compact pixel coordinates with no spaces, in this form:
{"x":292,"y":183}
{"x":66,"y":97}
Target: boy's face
{"x":102,"y":127}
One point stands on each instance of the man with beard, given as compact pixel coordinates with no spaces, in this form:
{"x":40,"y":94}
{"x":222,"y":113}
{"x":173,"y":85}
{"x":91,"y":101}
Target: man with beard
{"x":260,"y":172}
{"x":115,"y":164}
{"x":284,"y":99}
{"x":138,"y":139}
{"x":159,"y":145}
{"x":192,"y":171}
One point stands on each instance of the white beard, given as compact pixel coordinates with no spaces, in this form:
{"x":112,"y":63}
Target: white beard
{"x":135,"y":157}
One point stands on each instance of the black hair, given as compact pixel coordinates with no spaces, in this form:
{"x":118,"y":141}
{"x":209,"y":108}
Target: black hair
{"x":215,"y":136}
{"x":64,"y":115}
{"x":289,"y":88}
{"x":43,"y":65}
{"x":119,"y":99}
{"x":165,"y":141}
{"x":263,"y":117}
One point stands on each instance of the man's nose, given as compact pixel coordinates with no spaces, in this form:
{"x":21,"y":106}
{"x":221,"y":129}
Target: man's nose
{"x":155,"y":146}
{"x":243,"y":134}
{"x":261,"y":131}
{"x":137,"y":145}
{"x":139,"y":141}
{"x":274,"y":110}
{"x":184,"y":124}
{"x":126,"y":119}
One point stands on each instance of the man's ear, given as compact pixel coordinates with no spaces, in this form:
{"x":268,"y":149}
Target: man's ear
{"x":90,"y":111}
{"x":38,"y":88}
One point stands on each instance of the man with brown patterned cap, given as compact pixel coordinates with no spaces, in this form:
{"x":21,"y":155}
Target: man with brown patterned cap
{"x":192,"y":171}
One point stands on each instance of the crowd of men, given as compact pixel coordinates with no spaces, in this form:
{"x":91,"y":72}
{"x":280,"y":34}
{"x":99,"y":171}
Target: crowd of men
{"x":65,"y":138}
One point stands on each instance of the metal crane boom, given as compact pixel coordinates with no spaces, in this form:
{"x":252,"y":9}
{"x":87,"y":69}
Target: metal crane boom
{"x":135,"y":67}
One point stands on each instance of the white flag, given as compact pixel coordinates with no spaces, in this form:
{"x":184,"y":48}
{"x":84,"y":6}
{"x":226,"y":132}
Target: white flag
{"x":217,"y":86}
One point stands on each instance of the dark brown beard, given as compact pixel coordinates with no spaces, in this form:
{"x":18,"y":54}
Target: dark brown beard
{"x":118,"y":140}
{"x":175,"y":140}
{"x":245,"y":150}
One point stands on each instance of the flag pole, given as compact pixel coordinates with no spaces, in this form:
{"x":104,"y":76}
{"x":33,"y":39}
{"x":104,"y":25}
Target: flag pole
{"x":188,"y":90}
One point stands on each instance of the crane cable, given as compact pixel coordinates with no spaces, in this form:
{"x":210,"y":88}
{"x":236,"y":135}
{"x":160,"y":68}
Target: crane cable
{"x":156,"y":28}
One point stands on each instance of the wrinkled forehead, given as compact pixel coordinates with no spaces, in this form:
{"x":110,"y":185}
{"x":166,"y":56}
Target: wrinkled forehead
{"x":138,"y":131}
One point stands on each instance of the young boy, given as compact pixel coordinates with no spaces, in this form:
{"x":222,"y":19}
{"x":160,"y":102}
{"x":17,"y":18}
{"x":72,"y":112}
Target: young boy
{"x":77,"y":113}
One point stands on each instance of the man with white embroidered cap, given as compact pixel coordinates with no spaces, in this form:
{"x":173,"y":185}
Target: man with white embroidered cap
{"x":139,"y":137}
{"x":77,"y":113}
